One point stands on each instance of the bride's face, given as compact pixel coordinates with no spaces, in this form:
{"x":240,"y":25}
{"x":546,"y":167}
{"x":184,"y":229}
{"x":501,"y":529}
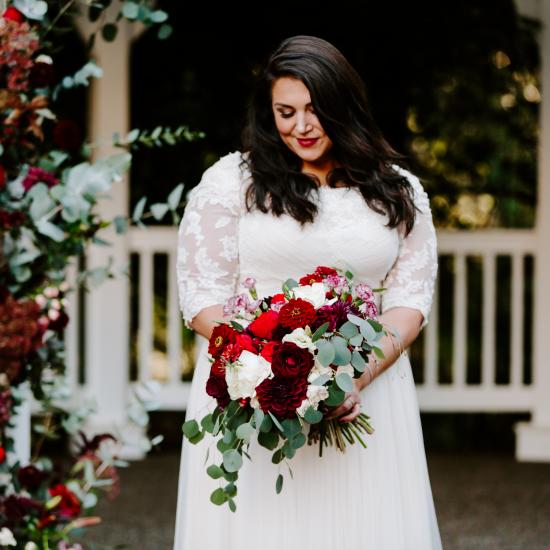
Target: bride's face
{"x":297,"y":122}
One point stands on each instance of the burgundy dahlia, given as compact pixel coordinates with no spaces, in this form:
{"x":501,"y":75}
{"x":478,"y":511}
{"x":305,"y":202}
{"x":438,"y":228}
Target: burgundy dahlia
{"x":30,"y":477}
{"x":36,"y":175}
{"x":291,"y":361}
{"x":282,"y":396}
{"x":216,"y":387}
{"x":335,"y":314}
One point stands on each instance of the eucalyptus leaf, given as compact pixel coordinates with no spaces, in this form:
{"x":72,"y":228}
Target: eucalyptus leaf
{"x":232,"y":460}
{"x":269,"y":440}
{"x":245,"y":431}
{"x":357,"y":361}
{"x":298,"y":441}
{"x":356,"y":340}
{"x":313,"y":416}
{"x":276,"y":422}
{"x":218,"y":497}
{"x":335,"y":396}
{"x":344,"y":381}
{"x":158,"y":16}
{"x":320,"y":331}
{"x":348,"y":330}
{"x":50,"y":230}
{"x":325,"y":353}
{"x":279,"y":483}
{"x":159,"y":210}
{"x":190,"y":428}
{"x":121,"y":224}
{"x":138,"y":210}
{"x":175,"y":196}
{"x":367,"y":331}
{"x":164,"y":31}
{"x":320,"y":380}
{"x":130,"y":10}
{"x":214,"y":471}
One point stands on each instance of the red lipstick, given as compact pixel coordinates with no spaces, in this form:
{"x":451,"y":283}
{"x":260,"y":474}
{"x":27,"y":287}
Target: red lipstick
{"x":307,"y":142}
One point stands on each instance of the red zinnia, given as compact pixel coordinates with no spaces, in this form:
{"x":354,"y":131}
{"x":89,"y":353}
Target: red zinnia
{"x":325,"y":271}
{"x":311,"y":278}
{"x":13,"y":14}
{"x":222,"y":335}
{"x":297,"y":313}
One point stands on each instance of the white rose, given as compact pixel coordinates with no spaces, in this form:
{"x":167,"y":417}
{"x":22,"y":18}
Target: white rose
{"x":318,"y":370}
{"x":345,"y":369}
{"x":301,"y":338}
{"x":315,"y":294}
{"x":7,"y":538}
{"x":315,"y":394}
{"x":245,"y":374}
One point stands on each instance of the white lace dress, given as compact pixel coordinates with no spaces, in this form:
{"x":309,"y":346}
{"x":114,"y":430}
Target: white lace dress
{"x":377,"y":498}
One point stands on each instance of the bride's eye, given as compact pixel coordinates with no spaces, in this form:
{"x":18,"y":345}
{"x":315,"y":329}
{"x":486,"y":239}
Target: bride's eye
{"x":286,"y":115}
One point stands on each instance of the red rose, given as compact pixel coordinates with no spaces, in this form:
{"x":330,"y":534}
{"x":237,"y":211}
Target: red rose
{"x":13,"y":14}
{"x":297,"y":313}
{"x":282,"y":396}
{"x":216,"y":387}
{"x":291,"y":361}
{"x":222,"y":335}
{"x":2,"y":455}
{"x":311,"y":278}
{"x":69,"y":505}
{"x":267,"y":350}
{"x":263,"y":326}
{"x":325,"y":271}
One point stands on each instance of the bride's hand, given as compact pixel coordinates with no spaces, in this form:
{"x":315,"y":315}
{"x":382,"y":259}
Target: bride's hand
{"x":350,"y":407}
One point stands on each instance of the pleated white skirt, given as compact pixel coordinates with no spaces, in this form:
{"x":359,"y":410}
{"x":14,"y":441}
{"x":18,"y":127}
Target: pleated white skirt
{"x":377,"y":498}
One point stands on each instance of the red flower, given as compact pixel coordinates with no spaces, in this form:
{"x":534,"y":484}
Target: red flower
{"x":2,"y":455}
{"x":36,"y":175}
{"x":69,"y":505}
{"x":222,"y":335}
{"x":311,"y":278}
{"x":30,"y":477}
{"x":67,"y":135}
{"x":282,"y":396}
{"x":291,"y":361}
{"x":297,"y":313}
{"x":15,"y":508}
{"x":216,"y":387}
{"x":263,"y":326}
{"x":13,"y":14}
{"x":60,"y":323}
{"x":276,"y":298}
{"x":245,"y":342}
{"x":41,"y":75}
{"x":2,"y":177}
{"x":267,"y":350}
{"x":325,"y":271}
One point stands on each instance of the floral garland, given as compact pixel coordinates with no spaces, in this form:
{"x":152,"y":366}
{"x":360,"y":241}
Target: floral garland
{"x":48,"y":198}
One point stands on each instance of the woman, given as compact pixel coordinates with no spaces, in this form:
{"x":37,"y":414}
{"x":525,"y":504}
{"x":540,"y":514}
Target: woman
{"x":317,"y":184}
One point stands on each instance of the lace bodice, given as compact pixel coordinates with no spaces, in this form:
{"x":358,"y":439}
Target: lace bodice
{"x":220,"y":243}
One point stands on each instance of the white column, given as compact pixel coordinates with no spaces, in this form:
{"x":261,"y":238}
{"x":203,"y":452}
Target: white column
{"x":107,"y":307}
{"x":533,"y":438}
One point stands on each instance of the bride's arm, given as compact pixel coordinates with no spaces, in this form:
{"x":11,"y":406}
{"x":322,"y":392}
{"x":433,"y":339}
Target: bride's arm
{"x":205,"y":321}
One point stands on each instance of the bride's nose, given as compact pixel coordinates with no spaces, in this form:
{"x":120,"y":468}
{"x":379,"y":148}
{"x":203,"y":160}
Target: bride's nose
{"x":303,"y":124}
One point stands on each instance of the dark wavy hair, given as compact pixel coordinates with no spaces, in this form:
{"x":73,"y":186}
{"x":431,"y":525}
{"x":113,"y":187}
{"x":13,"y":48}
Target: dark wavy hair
{"x":339,"y":99}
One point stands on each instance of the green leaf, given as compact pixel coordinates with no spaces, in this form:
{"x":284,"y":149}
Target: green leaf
{"x":378,"y":352}
{"x":228,"y":437}
{"x":344,"y":381}
{"x":214,"y":471}
{"x":159,"y":210}
{"x":276,"y":422}
{"x":190,"y":428}
{"x":258,"y":417}
{"x":367,"y":331}
{"x":232,"y":460}
{"x":158,"y":16}
{"x":132,"y":135}
{"x":289,"y":284}
{"x":230,"y":489}
{"x":138,"y":210}
{"x":175,"y":196}
{"x":218,"y":497}
{"x":291,"y":427}
{"x":349,"y":275}
{"x":207,"y":423}
{"x":319,"y":332}
{"x":269,"y":440}
{"x":196,"y":438}
{"x":348,"y":330}
{"x":326,"y":353}
{"x":342,"y":355}
{"x":357,"y":361}
{"x":356,"y":340}
{"x":130,"y":10}
{"x":245,"y":431}
{"x":355,"y":319}
{"x":299,"y":441}
{"x":121,"y":224}
{"x":320,"y":380}
{"x":236,"y":326}
{"x":279,"y":483}
{"x":164,"y":31}
{"x":50,"y":230}
{"x":232,"y":505}
{"x":266,"y":425}
{"x":335,"y":396}
{"x":288,"y":450}
{"x":312,"y":416}
{"x":278,"y":456}
{"x":375,"y":325}
{"x":109,"y":32}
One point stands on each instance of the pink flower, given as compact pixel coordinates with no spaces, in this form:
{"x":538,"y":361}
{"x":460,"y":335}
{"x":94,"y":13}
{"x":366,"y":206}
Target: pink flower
{"x":336,"y":282}
{"x":249,"y":282}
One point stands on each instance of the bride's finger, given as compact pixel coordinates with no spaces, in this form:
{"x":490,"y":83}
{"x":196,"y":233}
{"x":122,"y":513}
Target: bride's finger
{"x":354,"y":413}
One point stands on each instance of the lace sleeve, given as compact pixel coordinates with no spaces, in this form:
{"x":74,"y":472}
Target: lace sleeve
{"x":207,"y":253}
{"x":410,"y":282}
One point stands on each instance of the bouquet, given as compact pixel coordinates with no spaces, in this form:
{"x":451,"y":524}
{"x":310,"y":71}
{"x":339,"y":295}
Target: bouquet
{"x":280,"y":363}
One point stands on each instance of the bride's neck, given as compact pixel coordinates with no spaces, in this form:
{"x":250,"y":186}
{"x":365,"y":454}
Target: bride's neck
{"x":320,"y":169}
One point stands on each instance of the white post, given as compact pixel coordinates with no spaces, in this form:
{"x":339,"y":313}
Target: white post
{"x":107,"y":307}
{"x":533,"y":438}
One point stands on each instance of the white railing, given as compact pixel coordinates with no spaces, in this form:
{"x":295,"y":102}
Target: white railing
{"x":433,"y":395}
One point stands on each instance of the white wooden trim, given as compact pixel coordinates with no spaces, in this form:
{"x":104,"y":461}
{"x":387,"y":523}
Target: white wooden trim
{"x":459,"y":327}
{"x":145,"y":331}
{"x":488,"y":320}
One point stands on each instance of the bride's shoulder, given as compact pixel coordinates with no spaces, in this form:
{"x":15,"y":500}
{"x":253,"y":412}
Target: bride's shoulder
{"x":222,"y":181}
{"x":420,"y":196}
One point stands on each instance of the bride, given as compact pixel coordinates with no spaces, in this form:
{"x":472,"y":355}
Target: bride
{"x":316,"y":184}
